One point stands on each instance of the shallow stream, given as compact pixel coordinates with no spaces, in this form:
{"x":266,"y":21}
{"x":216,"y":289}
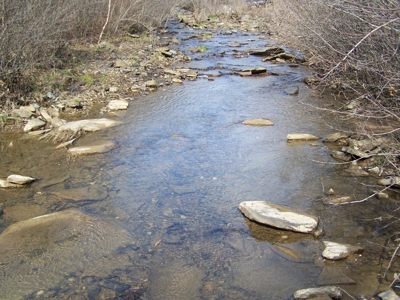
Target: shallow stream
{"x":162,"y":209}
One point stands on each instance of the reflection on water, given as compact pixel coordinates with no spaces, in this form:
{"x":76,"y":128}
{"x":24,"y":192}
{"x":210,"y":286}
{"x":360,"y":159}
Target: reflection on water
{"x":183,"y":164}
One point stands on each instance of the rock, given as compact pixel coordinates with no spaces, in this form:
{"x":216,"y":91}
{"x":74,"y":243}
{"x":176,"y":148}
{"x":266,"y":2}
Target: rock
{"x":336,"y":251}
{"x":93,"y":149}
{"x":151,"y":83}
{"x":5,"y":184}
{"x":21,"y":113}
{"x":177,"y":80}
{"x":382,"y":195}
{"x":34,"y":124}
{"x":57,"y":122}
{"x":86,"y":193}
{"x":74,"y":103}
{"x":388,"y":295}
{"x":302,"y":137}
{"x":113,"y":89}
{"x":333,"y":276}
{"x":254,"y":71}
{"x":258,"y":122}
{"x":191,"y":74}
{"x":119,"y":63}
{"x":278,"y":216}
{"x":355,"y":170}
{"x":23,"y":211}
{"x":395,"y":181}
{"x":45,"y":115}
{"x":353,"y":105}
{"x":332,"y":291}
{"x":331,"y":192}
{"x":339,"y":200}
{"x":292,"y":91}
{"x":118,"y":104}
{"x":268,"y":51}
{"x":56,"y":245}
{"x":341,"y":155}
{"x":310,"y":80}
{"x":18,"y":179}
{"x":89,"y":125}
{"x":334,"y":137}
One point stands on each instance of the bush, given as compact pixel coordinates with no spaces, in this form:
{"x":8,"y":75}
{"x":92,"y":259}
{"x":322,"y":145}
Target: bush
{"x":351,"y":43}
{"x":33,"y":32}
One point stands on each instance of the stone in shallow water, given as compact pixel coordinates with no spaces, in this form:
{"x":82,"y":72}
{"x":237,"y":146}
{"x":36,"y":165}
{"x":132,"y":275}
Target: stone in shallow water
{"x":258,"y":122}
{"x":6,"y":184}
{"x":293,"y":90}
{"x":93,"y":149}
{"x":19,"y":179}
{"x":278,"y":216}
{"x":42,"y":251}
{"x":332,"y":291}
{"x":301,"y":137}
{"x":335,"y":251}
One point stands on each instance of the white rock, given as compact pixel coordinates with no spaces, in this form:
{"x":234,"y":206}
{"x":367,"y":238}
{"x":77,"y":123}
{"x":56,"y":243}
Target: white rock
{"x":118,"y":104}
{"x":388,"y":295}
{"x":19,"y":179}
{"x":258,"y":122}
{"x":90,"y":125}
{"x":5,"y":184}
{"x":302,"y":137}
{"x":278,"y":216}
{"x":331,"y":291}
{"x":335,"y":251}
{"x":92,"y":149}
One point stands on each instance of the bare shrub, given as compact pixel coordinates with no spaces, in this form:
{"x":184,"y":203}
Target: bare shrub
{"x":354,"y":47}
{"x":35,"y":31}
{"x":203,"y":9}
{"x":355,"y":43}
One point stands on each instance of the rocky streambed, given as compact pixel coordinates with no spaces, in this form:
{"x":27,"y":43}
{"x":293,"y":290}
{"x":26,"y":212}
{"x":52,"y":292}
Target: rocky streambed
{"x":139,"y":199}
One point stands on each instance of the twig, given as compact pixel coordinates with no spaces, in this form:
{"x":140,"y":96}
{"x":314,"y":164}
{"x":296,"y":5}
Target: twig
{"x":106,"y":22}
{"x":391,"y":260}
{"x":355,"y":47}
{"x":367,"y":198}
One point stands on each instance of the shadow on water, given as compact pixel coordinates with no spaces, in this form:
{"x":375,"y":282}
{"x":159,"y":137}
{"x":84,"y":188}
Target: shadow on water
{"x":160,"y":217}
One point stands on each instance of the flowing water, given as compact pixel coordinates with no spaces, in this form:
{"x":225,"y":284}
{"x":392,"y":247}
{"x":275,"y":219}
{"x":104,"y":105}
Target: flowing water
{"x":157,"y":217}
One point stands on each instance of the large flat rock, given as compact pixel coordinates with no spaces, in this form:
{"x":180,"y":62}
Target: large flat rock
{"x":93,"y":149}
{"x":40,"y":253}
{"x":278,"y":216}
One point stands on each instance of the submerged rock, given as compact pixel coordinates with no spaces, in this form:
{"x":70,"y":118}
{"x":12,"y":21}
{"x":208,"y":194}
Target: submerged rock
{"x":302,"y":137}
{"x":42,"y":251}
{"x":268,"y":51}
{"x":335,"y":251}
{"x":333,"y":276}
{"x":292,"y":91}
{"x":258,"y":122}
{"x":151,"y":84}
{"x":19,"y":179}
{"x":93,"y":149}
{"x":339,"y":200}
{"x":331,"y":291}
{"x":278,"y":216}
{"x":341,"y":155}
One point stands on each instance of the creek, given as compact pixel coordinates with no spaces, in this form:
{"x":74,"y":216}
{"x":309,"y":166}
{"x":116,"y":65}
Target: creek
{"x":161,"y":218}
